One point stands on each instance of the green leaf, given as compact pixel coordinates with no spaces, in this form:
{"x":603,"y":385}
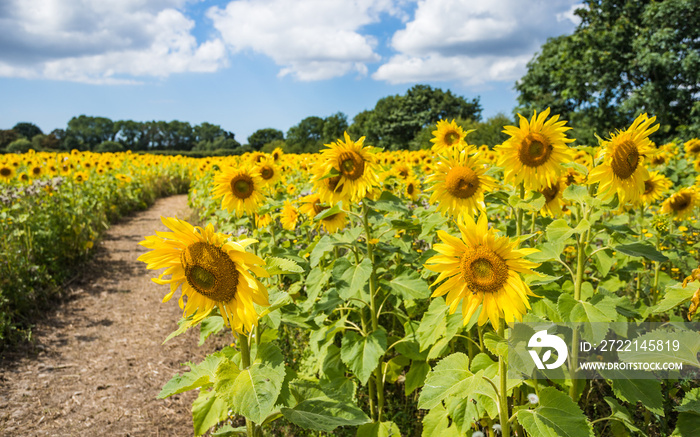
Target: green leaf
{"x":228,"y":430}
{"x":324,"y":414}
{"x":687,"y":353}
{"x":379,"y":429}
{"x":450,"y":376}
{"x":354,"y":279}
{"x":315,"y":282}
{"x":281,"y":266}
{"x":576,"y":193}
{"x":620,"y":412}
{"x":210,"y":325}
{"x":325,"y":244}
{"x":207,"y":411}
{"x":437,"y":424}
{"x":433,"y":325}
{"x":555,"y":416}
{"x":646,"y":391}
{"x":496,"y":344}
{"x":593,"y":316}
{"x":328,"y":212}
{"x":362,"y":354}
{"x":675,"y":295}
{"x":390,"y":203}
{"x":604,"y":261}
{"x":199,"y":375}
{"x":255,"y":390}
{"x":643,"y":249}
{"x":416,"y":375}
{"x":689,"y":414}
{"x":558,"y":230}
{"x":409,"y":285}
{"x":548,"y":251}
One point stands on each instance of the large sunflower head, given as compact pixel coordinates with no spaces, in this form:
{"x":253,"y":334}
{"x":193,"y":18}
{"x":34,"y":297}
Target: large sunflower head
{"x":240,"y":190}
{"x":7,"y":172}
{"x":459,"y":183}
{"x":622,"y":170}
{"x":655,"y":187}
{"x":482,"y":269}
{"x":353,"y":169}
{"x":682,"y":204}
{"x":448,"y":135}
{"x":535,"y":151}
{"x":212,"y":271}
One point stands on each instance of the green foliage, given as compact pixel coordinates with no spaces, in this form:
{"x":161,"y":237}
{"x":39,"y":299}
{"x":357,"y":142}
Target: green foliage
{"x":263,"y":136}
{"x":313,"y":132}
{"x":396,"y":120}
{"x":623,"y":56}
{"x":21,"y":145}
{"x":555,"y":416}
{"x":27,"y":130}
{"x":109,"y":146}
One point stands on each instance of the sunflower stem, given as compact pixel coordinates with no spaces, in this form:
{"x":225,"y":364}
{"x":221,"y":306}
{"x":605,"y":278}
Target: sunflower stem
{"x":580,"y":253}
{"x":519,"y":213}
{"x":503,"y":415}
{"x":245,"y":363}
{"x":378,"y":380}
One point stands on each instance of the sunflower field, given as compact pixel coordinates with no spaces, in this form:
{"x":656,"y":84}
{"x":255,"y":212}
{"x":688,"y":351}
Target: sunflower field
{"x":54,"y":206}
{"x":374,"y":293}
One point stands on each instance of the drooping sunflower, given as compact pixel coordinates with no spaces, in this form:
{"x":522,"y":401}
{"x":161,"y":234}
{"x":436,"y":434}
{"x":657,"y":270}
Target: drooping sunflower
{"x":212,"y":271}
{"x":355,"y":168}
{"x":482,"y":269}
{"x":655,"y":187}
{"x":240,"y":190}
{"x":622,"y":170}
{"x":535,"y":151}
{"x":311,"y":206}
{"x":681,"y":204}
{"x":448,"y":134}
{"x":553,"y":196}
{"x":459,"y":182}
{"x":289,"y":216}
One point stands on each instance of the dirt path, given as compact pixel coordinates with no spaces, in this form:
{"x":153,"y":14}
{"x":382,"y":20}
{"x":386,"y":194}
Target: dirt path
{"x":97,"y":362}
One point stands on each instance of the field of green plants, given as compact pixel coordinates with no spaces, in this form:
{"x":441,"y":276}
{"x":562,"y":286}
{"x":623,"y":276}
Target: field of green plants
{"x":374,"y":293}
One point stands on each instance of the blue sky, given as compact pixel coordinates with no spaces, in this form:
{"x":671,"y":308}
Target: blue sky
{"x":252,"y":64}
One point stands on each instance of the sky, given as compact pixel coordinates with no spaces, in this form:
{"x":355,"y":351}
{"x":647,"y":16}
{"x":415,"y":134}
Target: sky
{"x":252,"y":64}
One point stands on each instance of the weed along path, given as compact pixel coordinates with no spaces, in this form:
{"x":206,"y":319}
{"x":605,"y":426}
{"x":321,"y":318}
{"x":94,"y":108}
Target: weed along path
{"x":96,"y":363}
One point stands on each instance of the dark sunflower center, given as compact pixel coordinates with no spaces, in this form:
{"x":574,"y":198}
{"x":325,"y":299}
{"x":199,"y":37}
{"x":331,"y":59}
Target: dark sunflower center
{"x":535,"y":150}
{"x":461,"y":182}
{"x":403,"y":173}
{"x":242,"y":186}
{"x":352,"y":165}
{"x":210,"y":271}
{"x":5,"y":172}
{"x":550,"y":193}
{"x":318,"y":208}
{"x":648,"y":186}
{"x":451,"y":137}
{"x":625,"y":159}
{"x":483,"y":270}
{"x":267,"y":173}
{"x":695,"y":148}
{"x":410,"y":189}
{"x":78,"y":178}
{"x":36,"y":171}
{"x":680,"y":202}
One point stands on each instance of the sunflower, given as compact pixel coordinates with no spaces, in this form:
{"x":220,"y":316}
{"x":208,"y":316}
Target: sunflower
{"x":448,"y":135}
{"x":655,"y":187}
{"x":354,"y":167}
{"x":80,"y":176}
{"x":289,"y":216}
{"x":681,"y":204}
{"x":277,"y":154}
{"x":692,"y":148}
{"x":6,"y":172}
{"x":268,"y":172}
{"x":240,"y":189}
{"x":553,"y":196}
{"x":535,"y":151}
{"x":482,"y":268}
{"x":36,"y":171}
{"x":311,"y":206}
{"x":412,"y":189}
{"x":212,"y":271}
{"x":402,"y":170}
{"x":622,"y":171}
{"x":262,"y":221}
{"x":459,"y":183}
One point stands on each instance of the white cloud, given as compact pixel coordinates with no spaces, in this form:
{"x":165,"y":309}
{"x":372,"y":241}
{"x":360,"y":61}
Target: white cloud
{"x":101,"y":41}
{"x":472,"y":41}
{"x":309,"y":39}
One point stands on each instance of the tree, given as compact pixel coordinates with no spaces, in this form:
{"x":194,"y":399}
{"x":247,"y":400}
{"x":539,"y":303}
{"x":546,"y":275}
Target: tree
{"x":109,"y":146}
{"x":624,"y":58}
{"x":334,"y":127}
{"x":21,"y":145}
{"x":7,"y":136}
{"x":91,"y":131}
{"x":27,"y":130}
{"x":396,"y":120}
{"x":306,"y":136}
{"x":260,"y":137}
